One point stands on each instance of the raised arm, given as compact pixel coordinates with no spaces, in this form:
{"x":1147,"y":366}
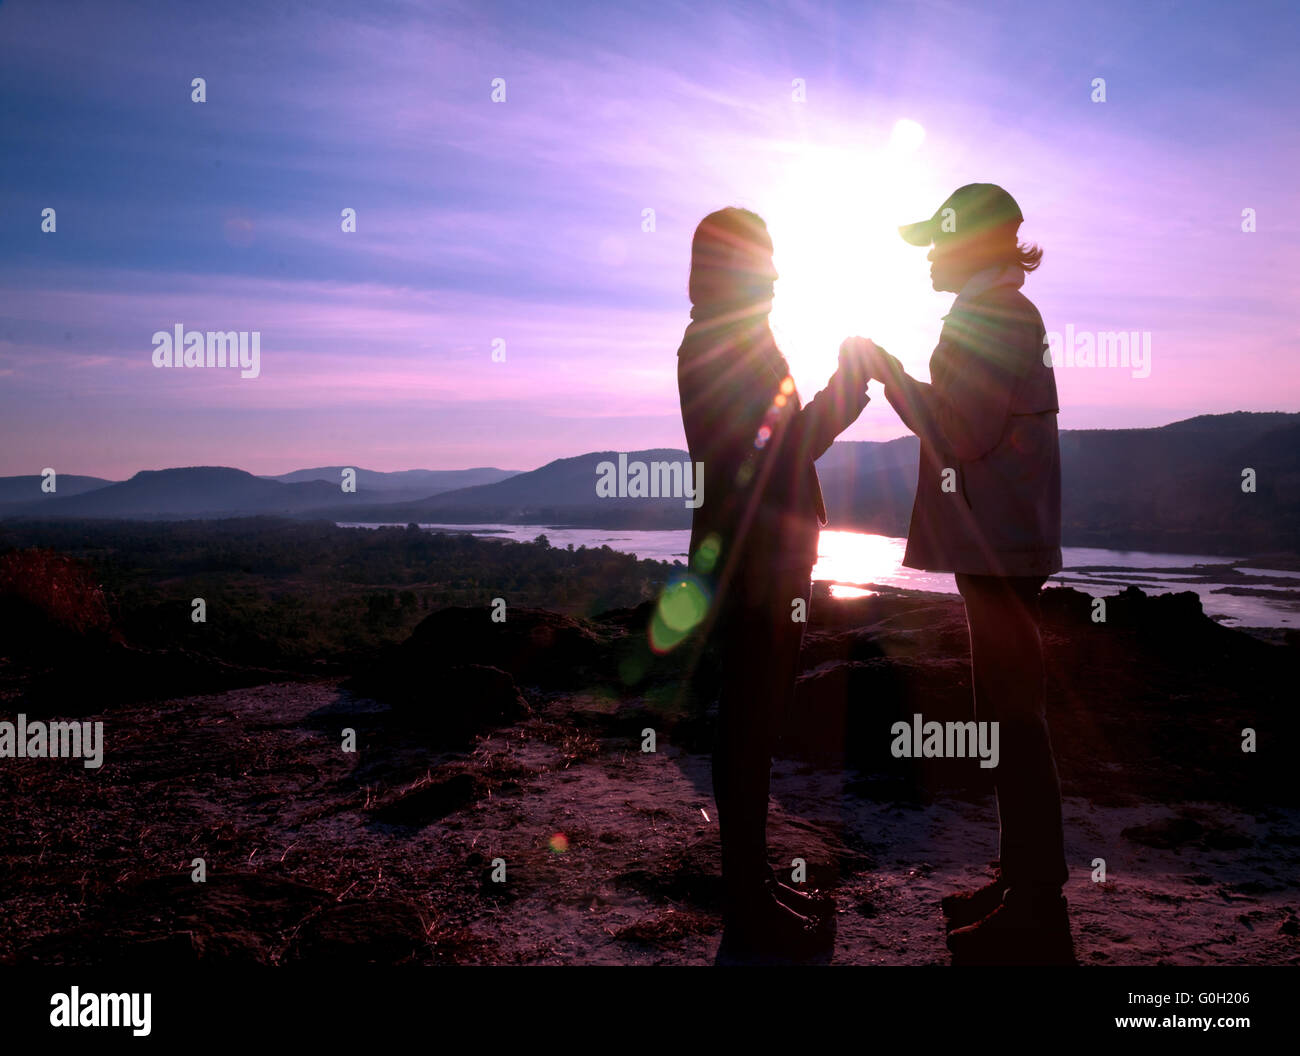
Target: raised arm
{"x":833,"y":409}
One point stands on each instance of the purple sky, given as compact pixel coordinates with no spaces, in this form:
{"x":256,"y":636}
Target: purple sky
{"x":522,"y":220}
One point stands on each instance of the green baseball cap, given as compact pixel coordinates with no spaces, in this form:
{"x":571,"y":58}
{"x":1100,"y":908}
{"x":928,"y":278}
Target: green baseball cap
{"x":969,"y":210}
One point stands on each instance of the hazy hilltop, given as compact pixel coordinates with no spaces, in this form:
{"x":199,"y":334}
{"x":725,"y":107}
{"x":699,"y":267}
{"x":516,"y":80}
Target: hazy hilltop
{"x":222,"y":491}
{"x":401,"y":485}
{"x":1176,"y":488}
{"x":27,"y":490}
{"x":194,"y":491}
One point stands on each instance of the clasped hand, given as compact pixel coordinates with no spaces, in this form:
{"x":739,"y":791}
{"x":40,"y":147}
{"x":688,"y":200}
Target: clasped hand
{"x":861,"y":354}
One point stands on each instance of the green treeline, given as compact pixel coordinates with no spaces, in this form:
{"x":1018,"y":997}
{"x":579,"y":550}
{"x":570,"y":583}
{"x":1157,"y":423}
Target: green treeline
{"x":297,"y":595}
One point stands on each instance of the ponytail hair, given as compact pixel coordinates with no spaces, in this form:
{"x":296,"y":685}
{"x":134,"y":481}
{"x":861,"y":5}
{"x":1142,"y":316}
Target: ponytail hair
{"x":999,"y":246}
{"x":1028,"y":255}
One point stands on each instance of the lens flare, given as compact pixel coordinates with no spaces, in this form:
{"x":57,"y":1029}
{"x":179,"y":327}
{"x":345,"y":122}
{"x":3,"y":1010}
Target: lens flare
{"x":706,"y":557}
{"x":682,"y":607}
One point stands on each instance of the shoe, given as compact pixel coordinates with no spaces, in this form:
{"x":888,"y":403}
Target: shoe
{"x":761,"y":929}
{"x":810,"y":902}
{"x":1024,"y":932}
{"x":967,"y":907}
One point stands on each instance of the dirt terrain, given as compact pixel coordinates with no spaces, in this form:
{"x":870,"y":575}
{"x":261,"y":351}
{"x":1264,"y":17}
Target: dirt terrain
{"x":386,"y":854}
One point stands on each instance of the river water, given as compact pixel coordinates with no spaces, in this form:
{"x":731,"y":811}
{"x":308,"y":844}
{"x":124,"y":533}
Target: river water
{"x":854,"y":562}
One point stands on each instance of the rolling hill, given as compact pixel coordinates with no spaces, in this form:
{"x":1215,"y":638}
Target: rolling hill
{"x":1176,"y":488}
{"x":402,"y":485}
{"x":191,"y":492}
{"x":18,"y":493}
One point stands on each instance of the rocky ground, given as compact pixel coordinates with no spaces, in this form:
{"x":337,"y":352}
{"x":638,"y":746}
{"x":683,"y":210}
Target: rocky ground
{"x":522,"y":742}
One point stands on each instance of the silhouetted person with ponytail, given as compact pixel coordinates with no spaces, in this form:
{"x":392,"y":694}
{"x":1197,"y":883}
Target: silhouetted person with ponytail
{"x":753,"y":547}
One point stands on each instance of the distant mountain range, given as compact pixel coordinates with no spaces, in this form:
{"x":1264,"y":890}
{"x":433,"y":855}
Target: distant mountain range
{"x":403,"y":485}
{"x":219,"y":491}
{"x":1177,"y":488}
{"x":18,"y":491}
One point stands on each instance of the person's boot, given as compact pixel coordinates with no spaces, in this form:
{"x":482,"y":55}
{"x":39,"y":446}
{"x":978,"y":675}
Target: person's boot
{"x":1030,"y":930}
{"x":967,"y":907}
{"x":758,"y":928}
{"x":809,"y":902}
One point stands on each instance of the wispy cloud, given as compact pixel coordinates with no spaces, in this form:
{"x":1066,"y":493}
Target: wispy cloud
{"x":522,"y":221}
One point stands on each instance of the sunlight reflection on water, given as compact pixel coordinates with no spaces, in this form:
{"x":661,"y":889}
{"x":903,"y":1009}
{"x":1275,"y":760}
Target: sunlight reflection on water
{"x":855,"y":561}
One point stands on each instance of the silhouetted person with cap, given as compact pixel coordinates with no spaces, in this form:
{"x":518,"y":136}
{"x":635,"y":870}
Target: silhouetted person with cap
{"x":988,"y":508}
{"x":753,"y":546}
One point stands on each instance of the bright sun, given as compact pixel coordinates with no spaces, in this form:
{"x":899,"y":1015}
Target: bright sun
{"x":843,"y":268}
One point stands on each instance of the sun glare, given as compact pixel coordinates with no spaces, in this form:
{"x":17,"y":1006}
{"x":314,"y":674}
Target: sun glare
{"x":857,"y":558}
{"x":844,"y":270}
{"x":907,"y":136}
